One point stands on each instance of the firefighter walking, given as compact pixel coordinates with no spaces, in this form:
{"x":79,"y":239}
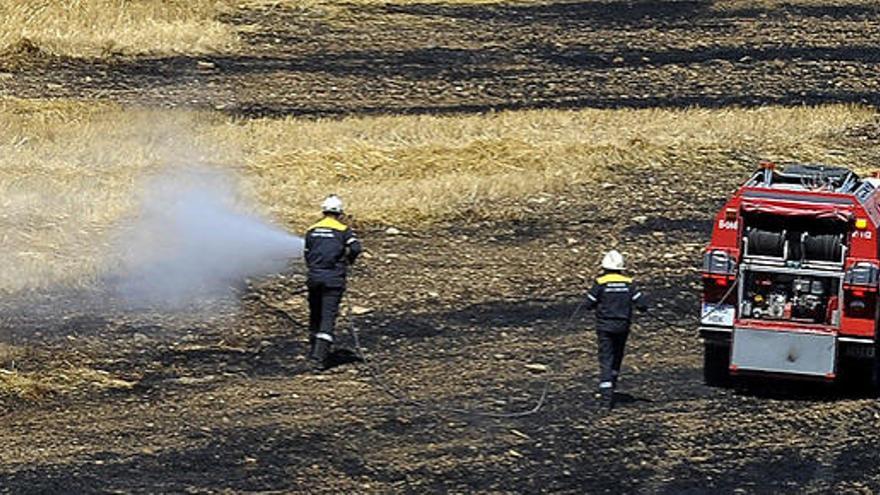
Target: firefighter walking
{"x":613,"y":296}
{"x":330,"y":247}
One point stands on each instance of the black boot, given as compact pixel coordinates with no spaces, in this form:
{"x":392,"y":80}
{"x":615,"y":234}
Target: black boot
{"x":320,"y":351}
{"x":606,"y":398}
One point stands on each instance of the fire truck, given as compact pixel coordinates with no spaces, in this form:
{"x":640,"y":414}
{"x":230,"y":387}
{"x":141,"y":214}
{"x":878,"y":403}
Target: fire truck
{"x":790,"y":277}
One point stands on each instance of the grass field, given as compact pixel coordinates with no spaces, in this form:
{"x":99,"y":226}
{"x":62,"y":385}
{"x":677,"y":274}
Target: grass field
{"x":95,"y":28}
{"x":70,"y":171}
{"x":102,"y":28}
{"x":396,"y":106}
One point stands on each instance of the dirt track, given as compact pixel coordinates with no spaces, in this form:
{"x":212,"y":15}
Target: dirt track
{"x":223,"y":405}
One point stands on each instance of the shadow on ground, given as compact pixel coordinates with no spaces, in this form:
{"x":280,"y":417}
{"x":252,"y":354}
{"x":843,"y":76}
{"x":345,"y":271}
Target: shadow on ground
{"x":441,"y":58}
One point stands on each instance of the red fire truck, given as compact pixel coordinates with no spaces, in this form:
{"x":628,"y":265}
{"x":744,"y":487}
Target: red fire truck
{"x":790,"y":277}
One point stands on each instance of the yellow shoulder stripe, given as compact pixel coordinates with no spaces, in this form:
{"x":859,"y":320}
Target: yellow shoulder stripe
{"x":329,"y":223}
{"x":613,"y":277}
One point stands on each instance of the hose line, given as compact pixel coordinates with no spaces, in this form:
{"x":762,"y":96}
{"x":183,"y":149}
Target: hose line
{"x":395,"y":393}
{"x":402,"y":397}
{"x":388,"y":388}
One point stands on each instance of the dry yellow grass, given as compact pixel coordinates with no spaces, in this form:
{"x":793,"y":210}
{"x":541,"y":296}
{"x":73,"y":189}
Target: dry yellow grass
{"x":33,"y":385}
{"x":71,"y":170}
{"x":98,"y":28}
{"x":95,"y":28}
{"x":36,"y":385}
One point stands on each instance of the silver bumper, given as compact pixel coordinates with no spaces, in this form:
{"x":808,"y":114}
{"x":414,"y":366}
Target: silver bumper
{"x":774,"y":351}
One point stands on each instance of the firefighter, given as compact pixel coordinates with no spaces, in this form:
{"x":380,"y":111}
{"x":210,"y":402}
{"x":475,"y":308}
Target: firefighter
{"x":613,"y":296}
{"x":330,"y":247}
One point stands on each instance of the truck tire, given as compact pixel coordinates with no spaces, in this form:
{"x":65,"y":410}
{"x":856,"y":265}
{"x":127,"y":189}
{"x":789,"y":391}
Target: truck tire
{"x":716,"y":365}
{"x":874,"y":375}
{"x":859,"y":377}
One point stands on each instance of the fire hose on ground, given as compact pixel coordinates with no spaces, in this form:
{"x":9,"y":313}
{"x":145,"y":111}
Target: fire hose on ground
{"x":402,"y":397}
{"x":397,"y":394}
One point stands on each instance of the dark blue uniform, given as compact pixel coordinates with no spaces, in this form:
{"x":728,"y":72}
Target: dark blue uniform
{"x":330,"y":248}
{"x":613,"y":296}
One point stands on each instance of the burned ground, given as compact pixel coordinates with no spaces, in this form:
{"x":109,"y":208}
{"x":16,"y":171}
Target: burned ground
{"x":227,"y":405}
{"x":457,"y":311}
{"x":458,"y":58}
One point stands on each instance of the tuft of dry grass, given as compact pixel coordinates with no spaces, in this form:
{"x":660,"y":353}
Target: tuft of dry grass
{"x":10,"y":354}
{"x":71,"y":171}
{"x":96,"y":28}
{"x":37,"y":385}
{"x":13,"y":384}
{"x":47,"y":381}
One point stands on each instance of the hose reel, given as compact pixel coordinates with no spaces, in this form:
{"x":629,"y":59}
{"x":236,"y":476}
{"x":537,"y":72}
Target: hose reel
{"x":766,"y":242}
{"x":801,"y":245}
{"x":822,"y":247}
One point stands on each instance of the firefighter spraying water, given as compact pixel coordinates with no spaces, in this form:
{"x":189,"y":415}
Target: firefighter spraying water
{"x":330,"y":247}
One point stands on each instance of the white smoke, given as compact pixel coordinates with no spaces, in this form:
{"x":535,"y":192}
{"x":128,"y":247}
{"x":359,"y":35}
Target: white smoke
{"x":191,"y":242}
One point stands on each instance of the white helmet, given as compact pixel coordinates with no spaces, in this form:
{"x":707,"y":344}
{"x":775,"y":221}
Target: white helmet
{"x":332,"y":204}
{"x":613,"y":260}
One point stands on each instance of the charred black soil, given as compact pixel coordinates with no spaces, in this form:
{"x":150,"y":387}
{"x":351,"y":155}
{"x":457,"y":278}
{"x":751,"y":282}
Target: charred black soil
{"x":453,"y":315}
{"x":460,"y":58}
{"x":456,"y":315}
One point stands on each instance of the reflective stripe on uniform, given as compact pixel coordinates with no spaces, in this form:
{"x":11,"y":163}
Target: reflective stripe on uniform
{"x":613,"y":277}
{"x":329,"y":223}
{"x":324,"y":336}
{"x":351,"y":240}
{"x":606,"y":385}
{"x":590,"y":297}
{"x":637,"y":295}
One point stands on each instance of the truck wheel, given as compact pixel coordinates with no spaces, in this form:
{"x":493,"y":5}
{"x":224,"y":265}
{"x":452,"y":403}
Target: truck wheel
{"x":874,"y":372}
{"x":716,"y":363}
{"x":858,"y":376}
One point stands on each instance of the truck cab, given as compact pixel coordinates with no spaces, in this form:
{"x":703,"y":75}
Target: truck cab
{"x":790,"y":276}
